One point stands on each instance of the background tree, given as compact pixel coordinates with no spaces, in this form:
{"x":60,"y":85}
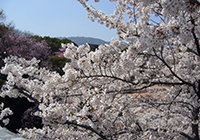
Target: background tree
{"x":24,"y":44}
{"x":21,"y":45}
{"x":54,"y":43}
{"x":101,"y":94}
{"x":4,"y":27}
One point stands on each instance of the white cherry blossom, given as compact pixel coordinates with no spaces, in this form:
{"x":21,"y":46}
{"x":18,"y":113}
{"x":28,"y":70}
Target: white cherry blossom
{"x":145,"y":84}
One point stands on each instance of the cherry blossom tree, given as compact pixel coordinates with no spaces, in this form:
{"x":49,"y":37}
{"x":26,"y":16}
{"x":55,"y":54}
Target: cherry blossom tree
{"x":147,"y":87}
{"x":21,"y":46}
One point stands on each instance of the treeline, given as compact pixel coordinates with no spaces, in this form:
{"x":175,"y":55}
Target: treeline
{"x":23,"y":44}
{"x":55,"y":45}
{"x":53,"y":42}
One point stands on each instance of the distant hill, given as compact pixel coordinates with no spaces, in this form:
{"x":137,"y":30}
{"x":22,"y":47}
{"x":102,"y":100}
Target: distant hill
{"x":84,"y":40}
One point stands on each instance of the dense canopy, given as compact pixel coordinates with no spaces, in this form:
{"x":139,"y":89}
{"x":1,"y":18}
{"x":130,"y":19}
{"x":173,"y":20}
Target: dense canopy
{"x":145,"y":84}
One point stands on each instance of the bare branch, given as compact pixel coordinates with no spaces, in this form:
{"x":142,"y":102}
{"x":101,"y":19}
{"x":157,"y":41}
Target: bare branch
{"x":85,"y":127}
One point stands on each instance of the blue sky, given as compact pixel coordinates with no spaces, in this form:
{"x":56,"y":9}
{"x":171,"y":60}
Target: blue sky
{"x":57,"y":18}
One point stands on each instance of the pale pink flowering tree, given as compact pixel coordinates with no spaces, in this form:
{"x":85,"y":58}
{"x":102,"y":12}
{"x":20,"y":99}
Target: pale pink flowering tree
{"x":101,"y":95}
{"x":22,"y":46}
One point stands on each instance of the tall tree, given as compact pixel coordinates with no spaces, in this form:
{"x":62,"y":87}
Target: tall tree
{"x":146,"y":88}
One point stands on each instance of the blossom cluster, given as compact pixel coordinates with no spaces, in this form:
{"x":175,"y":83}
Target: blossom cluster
{"x":4,"y":113}
{"x":146,"y":87}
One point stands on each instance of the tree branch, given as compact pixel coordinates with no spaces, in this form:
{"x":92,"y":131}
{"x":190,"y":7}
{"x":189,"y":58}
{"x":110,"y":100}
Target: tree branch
{"x":183,"y":81}
{"x":85,"y":127}
{"x":196,"y":41}
{"x":21,"y":90}
{"x":108,"y":76}
{"x":186,"y":136}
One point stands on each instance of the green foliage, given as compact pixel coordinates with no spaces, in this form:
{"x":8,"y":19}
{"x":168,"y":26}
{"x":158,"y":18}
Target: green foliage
{"x":4,"y":27}
{"x":60,"y":63}
{"x":2,"y":82}
{"x":54,"y":43}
